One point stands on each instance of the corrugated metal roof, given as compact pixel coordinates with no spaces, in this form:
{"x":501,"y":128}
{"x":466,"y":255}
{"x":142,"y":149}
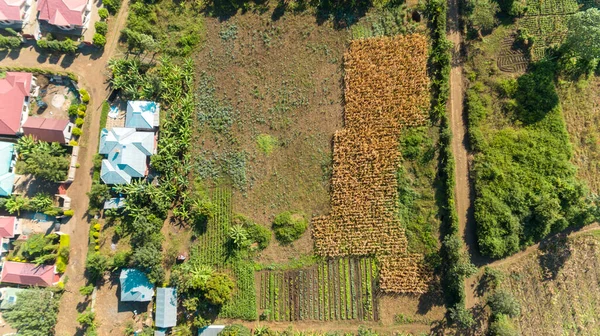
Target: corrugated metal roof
{"x":45,"y":129}
{"x":211,"y":330}
{"x":135,"y":286}
{"x":7,"y":178}
{"x":126,"y":153}
{"x":166,"y":307}
{"x":142,"y":114}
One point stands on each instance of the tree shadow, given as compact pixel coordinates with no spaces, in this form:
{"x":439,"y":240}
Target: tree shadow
{"x":432,"y":298}
{"x":556,"y":251}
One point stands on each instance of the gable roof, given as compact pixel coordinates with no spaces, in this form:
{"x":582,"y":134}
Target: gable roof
{"x":126,"y":153}
{"x":166,"y":307}
{"x":62,"y":12}
{"x":7,"y":226}
{"x":11,"y":10}
{"x":142,"y":114}
{"x":14,"y":87}
{"x":211,"y":330}
{"x":135,"y":286}
{"x":45,"y":129}
{"x":27,"y":274}
{"x":7,"y":178}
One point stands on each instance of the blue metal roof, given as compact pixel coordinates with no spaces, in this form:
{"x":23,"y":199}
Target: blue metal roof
{"x":211,"y":330}
{"x":135,"y":286}
{"x":126,"y":153}
{"x":142,"y":114}
{"x":166,"y":307}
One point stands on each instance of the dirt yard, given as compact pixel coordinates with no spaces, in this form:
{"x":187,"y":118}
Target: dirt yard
{"x":278,"y":83}
{"x":57,"y":97}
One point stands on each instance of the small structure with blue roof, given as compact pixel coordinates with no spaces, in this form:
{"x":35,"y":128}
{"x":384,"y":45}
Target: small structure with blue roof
{"x":211,"y":330}
{"x":7,"y":162}
{"x":166,"y":307}
{"x":127,"y":152}
{"x":142,"y":115}
{"x":135,"y":286}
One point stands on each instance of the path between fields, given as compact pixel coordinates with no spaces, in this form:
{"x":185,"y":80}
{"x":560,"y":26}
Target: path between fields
{"x":90,"y":68}
{"x":464,"y":191}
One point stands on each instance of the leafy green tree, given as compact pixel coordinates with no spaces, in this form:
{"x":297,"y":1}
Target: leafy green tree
{"x":482,"y":14}
{"x":87,"y":319}
{"x":16,"y":203}
{"x":25,"y":145}
{"x":95,"y":266}
{"x":503,"y":302}
{"x":34,"y":313}
{"x":86,"y":290}
{"x":40,"y":202}
{"x":98,"y":194}
{"x":583,"y":38}
{"x":48,"y":167}
{"x":289,"y":226}
{"x":99,"y":40}
{"x":218,"y":289}
{"x":461,"y":317}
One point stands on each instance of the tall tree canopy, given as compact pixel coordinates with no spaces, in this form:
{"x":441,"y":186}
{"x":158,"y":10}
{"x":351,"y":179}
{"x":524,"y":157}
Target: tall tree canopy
{"x":583,"y":40}
{"x":34,"y":313}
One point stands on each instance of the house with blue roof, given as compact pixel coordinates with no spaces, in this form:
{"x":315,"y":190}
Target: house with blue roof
{"x":211,"y":330}
{"x":127,"y":152}
{"x":7,"y":163}
{"x":142,"y":115}
{"x":166,"y":308}
{"x":135,"y":286}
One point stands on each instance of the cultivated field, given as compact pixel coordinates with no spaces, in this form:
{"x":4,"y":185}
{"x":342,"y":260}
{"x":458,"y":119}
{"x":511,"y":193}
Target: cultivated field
{"x":558,"y":287}
{"x":386,"y":90}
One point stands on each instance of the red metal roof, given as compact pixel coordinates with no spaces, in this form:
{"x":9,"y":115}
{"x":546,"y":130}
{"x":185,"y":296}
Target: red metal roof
{"x":50,"y":130}
{"x":11,"y":10}
{"x":13,"y":90}
{"x":28,"y":274}
{"x":7,"y":226}
{"x":62,"y":12}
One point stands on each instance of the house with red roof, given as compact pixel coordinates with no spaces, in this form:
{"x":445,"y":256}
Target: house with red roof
{"x":15,"y":90}
{"x":29,"y":274}
{"x":49,"y":130}
{"x":67,"y":15}
{"x":9,"y":229}
{"x":14,"y":13}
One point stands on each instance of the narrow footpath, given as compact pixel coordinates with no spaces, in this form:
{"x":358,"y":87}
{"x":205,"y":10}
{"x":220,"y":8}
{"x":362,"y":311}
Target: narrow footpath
{"x":457,"y":115}
{"x":91,"y":71}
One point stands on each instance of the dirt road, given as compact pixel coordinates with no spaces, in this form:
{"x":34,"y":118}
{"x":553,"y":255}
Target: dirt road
{"x":91,"y":70}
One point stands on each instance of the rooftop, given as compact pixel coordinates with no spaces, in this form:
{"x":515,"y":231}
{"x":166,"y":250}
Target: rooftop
{"x":7,"y":176}
{"x":7,"y":226}
{"x":166,"y":307}
{"x":27,"y":274}
{"x":142,"y":114}
{"x":62,"y":12}
{"x":135,"y":286}
{"x":14,"y":87}
{"x":10,"y":9}
{"x":127,"y":151}
{"x":49,"y":130}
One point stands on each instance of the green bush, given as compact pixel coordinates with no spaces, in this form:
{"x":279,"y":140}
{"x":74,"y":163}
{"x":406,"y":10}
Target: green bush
{"x":235,"y":330}
{"x":99,"y":40}
{"x":101,"y":28}
{"x":503,"y":302}
{"x":288,"y":226}
{"x":502,"y":326}
{"x":69,"y":213}
{"x":63,"y":253}
{"x":10,"y":42}
{"x":120,"y":260}
{"x":73,"y":109}
{"x":78,"y":122}
{"x":112,"y":6}
{"x":77,"y":131}
{"x":218,"y":289}
{"x":95,"y":266}
{"x":73,"y":143}
{"x":86,"y":290}
{"x":85,"y":96}
{"x":67,"y":46}
{"x":103,"y":13}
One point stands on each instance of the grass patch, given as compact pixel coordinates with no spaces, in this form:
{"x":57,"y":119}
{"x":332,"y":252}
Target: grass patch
{"x":104,"y":115}
{"x":266,"y":143}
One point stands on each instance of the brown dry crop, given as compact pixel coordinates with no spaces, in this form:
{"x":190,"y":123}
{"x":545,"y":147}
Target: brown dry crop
{"x":386,"y":89}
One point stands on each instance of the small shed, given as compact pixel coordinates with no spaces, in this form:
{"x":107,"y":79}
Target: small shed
{"x":8,"y":297}
{"x":135,"y":286}
{"x":166,"y":307}
{"x":114,"y":203}
{"x":211,"y":330}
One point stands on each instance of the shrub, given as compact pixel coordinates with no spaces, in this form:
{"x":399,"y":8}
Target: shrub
{"x":502,"y":326}
{"x":83,"y":107}
{"x":73,"y":143}
{"x":112,"y":6}
{"x":289,"y":227}
{"x":97,"y":227}
{"x":10,"y":42}
{"x":81,"y":114}
{"x":85,"y":96}
{"x":96,"y":234}
{"x":77,"y":131}
{"x":79,"y":122}
{"x":73,"y":110}
{"x":101,"y":28}
{"x":95,"y":265}
{"x":218,"y":289}
{"x":502,"y":302}
{"x":120,"y":260}
{"x":103,"y":13}
{"x":66,"y":46}
{"x":86,"y":290}
{"x":99,"y":40}
{"x":235,"y":330}
{"x":69,"y":212}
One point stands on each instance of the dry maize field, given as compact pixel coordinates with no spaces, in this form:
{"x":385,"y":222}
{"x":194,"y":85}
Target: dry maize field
{"x":386,"y":89}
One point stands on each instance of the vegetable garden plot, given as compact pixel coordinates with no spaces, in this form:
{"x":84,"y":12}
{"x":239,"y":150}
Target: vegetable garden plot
{"x":548,"y":30}
{"x":386,"y":89}
{"x":338,"y":289}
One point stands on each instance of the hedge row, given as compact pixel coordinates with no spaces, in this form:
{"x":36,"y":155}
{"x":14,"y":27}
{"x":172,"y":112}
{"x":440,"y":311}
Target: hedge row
{"x":40,"y":71}
{"x":456,"y":266}
{"x":10,"y":42}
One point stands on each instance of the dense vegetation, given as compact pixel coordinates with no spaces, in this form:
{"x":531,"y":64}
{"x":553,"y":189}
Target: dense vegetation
{"x":48,"y":161}
{"x":34,"y":313}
